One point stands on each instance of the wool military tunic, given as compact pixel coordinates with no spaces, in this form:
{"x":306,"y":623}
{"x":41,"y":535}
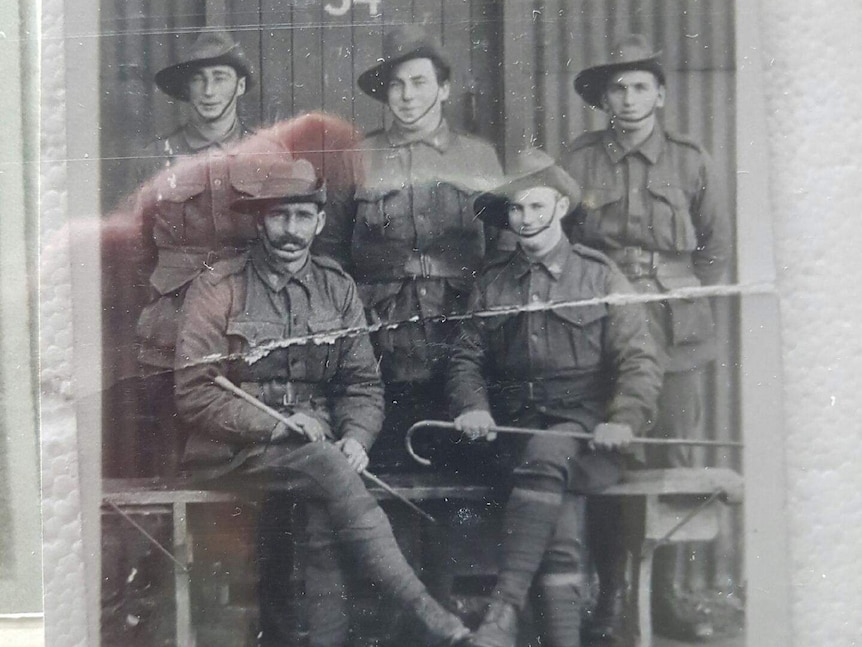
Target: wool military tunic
{"x":658,"y":211}
{"x":186,"y":214}
{"x":532,"y":346}
{"x":282,"y":338}
{"x":410,"y":239}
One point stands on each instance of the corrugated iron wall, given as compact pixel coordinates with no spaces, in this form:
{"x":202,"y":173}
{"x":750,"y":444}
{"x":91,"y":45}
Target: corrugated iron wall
{"x":547,"y":43}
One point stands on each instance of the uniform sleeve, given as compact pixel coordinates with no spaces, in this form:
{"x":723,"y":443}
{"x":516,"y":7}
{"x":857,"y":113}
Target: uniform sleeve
{"x":466,"y":381}
{"x":711,"y":221}
{"x":356,"y":391}
{"x":632,"y":352}
{"x":202,"y":355}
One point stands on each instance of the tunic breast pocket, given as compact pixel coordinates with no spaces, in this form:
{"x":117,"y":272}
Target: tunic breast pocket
{"x":257,"y":340}
{"x":500,"y":331}
{"x":322,"y":347}
{"x":575,"y":334}
{"x":671,"y":225}
{"x":178,"y":196}
{"x":602,"y":222}
{"x":382,"y":213}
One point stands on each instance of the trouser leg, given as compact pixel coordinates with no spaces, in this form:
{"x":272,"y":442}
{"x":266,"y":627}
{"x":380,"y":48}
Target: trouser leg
{"x":606,"y":531}
{"x":325,"y":586}
{"x":679,"y":416}
{"x":319,"y":474}
{"x":560,"y":585}
{"x":162,"y":435}
{"x":275,"y":556}
{"x":531,"y":514}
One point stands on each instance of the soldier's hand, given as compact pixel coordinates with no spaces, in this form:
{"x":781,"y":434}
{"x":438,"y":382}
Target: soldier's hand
{"x":612,"y":435}
{"x":308,"y":427}
{"x":475,"y":425}
{"x":280,"y":433}
{"x":354,"y":452}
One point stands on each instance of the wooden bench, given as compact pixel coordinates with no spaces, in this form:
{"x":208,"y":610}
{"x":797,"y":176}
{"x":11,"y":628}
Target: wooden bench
{"x":679,"y":505}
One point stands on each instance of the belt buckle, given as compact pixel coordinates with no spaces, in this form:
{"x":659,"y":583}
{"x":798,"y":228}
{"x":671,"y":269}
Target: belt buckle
{"x":632,"y":253}
{"x":289,"y":397}
{"x":210,"y":260}
{"x":632,"y":262}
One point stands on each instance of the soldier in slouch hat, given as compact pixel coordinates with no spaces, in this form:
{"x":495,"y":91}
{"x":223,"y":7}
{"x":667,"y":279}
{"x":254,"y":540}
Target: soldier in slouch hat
{"x":408,"y":234}
{"x":554,"y":357}
{"x":654,"y":205}
{"x":285,"y":326}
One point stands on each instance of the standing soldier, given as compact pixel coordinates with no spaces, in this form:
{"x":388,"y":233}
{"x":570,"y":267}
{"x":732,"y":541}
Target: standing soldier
{"x":549,"y":362}
{"x":652,"y":203}
{"x":282,"y":325}
{"x":210,"y":77}
{"x":185,"y":214}
{"x":408,"y":235}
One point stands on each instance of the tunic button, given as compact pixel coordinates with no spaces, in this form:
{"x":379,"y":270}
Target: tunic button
{"x":422,"y":292}
{"x":534,"y":337}
{"x":217,"y":182}
{"x":535,"y":298}
{"x":542,"y":408}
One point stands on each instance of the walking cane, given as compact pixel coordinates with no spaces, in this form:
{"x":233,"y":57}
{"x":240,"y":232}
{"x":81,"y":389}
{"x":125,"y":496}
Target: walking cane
{"x":227,"y":385}
{"x":580,"y":435}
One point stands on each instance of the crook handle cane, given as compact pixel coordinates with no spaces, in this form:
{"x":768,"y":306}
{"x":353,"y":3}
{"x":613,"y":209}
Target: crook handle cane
{"x":580,"y":435}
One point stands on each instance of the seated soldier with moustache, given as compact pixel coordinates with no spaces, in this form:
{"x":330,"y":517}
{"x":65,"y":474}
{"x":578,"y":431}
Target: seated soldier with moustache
{"x":282,"y":325}
{"x":548,"y":362}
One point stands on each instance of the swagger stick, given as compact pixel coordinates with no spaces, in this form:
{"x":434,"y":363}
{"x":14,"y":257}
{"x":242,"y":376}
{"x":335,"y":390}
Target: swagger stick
{"x":580,"y":435}
{"x":227,"y":385}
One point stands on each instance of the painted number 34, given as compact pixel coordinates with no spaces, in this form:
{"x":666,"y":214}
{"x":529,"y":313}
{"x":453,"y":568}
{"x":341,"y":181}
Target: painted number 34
{"x":344,"y":7}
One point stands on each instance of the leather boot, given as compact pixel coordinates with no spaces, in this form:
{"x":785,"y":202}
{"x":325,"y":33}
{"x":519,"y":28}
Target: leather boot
{"x":499,"y":627}
{"x":607,"y":623}
{"x":672,"y":618}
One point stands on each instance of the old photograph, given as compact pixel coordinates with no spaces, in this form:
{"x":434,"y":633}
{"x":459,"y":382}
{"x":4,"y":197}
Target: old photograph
{"x":418,"y":323}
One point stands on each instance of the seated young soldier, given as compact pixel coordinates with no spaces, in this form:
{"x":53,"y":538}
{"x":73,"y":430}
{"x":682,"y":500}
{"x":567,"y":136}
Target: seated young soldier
{"x":274,"y":323}
{"x":548,"y":362}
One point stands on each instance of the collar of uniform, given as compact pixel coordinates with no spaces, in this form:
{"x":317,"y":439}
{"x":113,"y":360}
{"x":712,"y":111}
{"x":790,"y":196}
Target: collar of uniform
{"x":275,"y":277}
{"x":440,"y":138}
{"x":197,"y":142}
{"x":553,"y":262}
{"x":650,"y":148}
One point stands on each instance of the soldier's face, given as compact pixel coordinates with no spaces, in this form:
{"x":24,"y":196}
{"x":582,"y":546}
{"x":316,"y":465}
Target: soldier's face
{"x":213,"y":91}
{"x":288,"y":230}
{"x":534,"y":214}
{"x":415,"y":96}
{"x":632,"y":98}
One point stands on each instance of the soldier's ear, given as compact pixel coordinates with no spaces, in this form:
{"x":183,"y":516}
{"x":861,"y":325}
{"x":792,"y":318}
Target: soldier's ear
{"x":445,"y":89}
{"x":659,"y":102}
{"x":321,"y":222}
{"x":604,"y":103}
{"x":564,"y":203}
{"x":240,"y":87}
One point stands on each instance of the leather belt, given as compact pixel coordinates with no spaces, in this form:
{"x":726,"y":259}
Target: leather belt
{"x":284,"y":393}
{"x":637,"y":262}
{"x":583,"y":387}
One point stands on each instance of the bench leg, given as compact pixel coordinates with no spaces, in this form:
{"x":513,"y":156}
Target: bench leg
{"x":647,"y":552}
{"x":182,"y":578}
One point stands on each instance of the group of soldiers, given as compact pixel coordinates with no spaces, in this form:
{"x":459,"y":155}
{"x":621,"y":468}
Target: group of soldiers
{"x":430,"y":285}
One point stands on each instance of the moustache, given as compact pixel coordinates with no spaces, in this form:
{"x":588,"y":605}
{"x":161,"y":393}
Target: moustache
{"x":287,"y":239}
